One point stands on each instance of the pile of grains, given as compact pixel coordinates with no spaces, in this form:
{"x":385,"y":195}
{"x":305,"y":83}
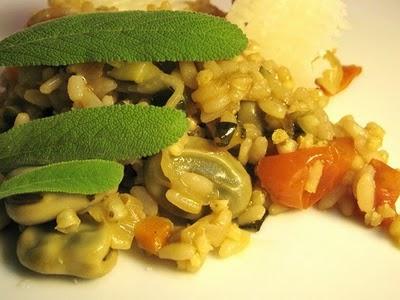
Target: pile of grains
{"x":239,"y":111}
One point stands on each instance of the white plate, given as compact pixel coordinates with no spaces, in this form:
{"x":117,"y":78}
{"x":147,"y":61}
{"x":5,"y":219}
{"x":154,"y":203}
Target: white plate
{"x":302,"y":255}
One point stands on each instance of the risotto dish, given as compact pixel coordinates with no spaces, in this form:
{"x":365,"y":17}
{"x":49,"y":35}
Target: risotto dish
{"x":180,"y":139}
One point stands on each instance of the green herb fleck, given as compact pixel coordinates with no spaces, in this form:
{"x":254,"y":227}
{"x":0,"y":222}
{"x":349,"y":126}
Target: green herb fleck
{"x":118,"y":132}
{"x":124,"y":36}
{"x":76,"y":177}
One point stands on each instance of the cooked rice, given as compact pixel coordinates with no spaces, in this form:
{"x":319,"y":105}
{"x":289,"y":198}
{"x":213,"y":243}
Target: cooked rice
{"x":256,"y":97}
{"x":218,"y":91}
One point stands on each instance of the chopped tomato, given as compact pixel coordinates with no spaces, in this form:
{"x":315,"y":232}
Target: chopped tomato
{"x":387,"y":183}
{"x":349,"y":73}
{"x":338,"y":162}
{"x":152,"y":233}
{"x":284,"y":176}
{"x":386,"y":223}
{"x":338,"y":77}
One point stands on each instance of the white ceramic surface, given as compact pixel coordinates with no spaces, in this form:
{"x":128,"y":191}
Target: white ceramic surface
{"x":300,"y":255}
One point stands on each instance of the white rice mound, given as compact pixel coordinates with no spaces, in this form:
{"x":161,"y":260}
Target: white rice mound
{"x":293,"y":33}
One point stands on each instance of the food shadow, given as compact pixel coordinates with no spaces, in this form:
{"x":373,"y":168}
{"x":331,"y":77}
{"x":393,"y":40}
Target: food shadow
{"x":150,"y":261}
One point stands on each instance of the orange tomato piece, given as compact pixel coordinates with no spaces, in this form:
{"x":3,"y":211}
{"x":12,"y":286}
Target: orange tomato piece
{"x":284,"y":176}
{"x":152,"y":233}
{"x":387,"y":183}
{"x":340,"y":157}
{"x":349,"y":73}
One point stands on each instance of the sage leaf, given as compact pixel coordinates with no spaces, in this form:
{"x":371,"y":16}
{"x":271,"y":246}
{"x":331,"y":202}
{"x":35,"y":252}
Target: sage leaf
{"x":124,"y":36}
{"x":76,"y":177}
{"x":118,"y":132}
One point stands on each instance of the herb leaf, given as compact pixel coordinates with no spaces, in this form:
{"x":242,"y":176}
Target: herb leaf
{"x":124,"y":36}
{"x":77,"y":177}
{"x":118,"y":132}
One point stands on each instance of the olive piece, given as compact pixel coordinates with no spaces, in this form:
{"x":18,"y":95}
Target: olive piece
{"x":256,"y":226}
{"x":167,"y":66}
{"x":7,"y":117}
{"x":249,"y":112}
{"x":224,"y":133}
{"x":10,"y":113}
{"x":161,"y":97}
{"x":297,"y":130}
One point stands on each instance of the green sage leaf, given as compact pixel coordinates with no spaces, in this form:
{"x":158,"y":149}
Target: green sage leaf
{"x":118,"y":132}
{"x":76,"y":177}
{"x":124,"y":36}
